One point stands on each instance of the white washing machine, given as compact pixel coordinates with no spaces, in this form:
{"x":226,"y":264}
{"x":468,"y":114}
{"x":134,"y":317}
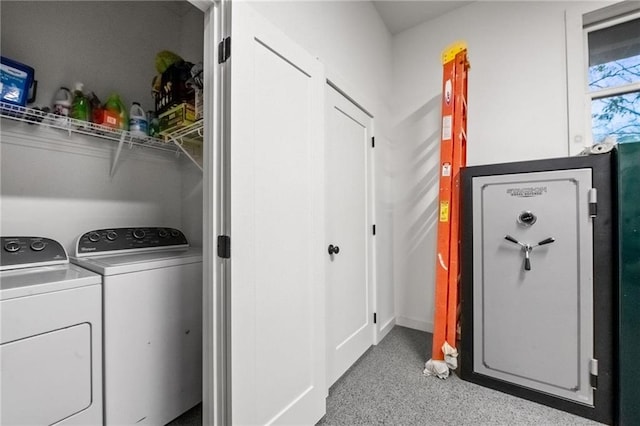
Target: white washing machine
{"x":152,"y":294}
{"x":51,"y":336}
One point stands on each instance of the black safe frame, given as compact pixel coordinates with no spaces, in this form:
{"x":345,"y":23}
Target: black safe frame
{"x":604,"y":291}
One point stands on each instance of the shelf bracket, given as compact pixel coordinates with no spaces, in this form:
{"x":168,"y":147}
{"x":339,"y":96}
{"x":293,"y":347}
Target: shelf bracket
{"x":117,"y":155}
{"x":185,"y":152}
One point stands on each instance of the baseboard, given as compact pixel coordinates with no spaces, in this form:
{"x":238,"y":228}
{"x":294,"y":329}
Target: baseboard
{"x":415,"y":324}
{"x":385,"y":329}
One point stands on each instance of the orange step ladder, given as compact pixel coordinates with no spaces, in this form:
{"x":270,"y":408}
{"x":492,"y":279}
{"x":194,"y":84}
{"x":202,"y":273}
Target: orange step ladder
{"x":453,"y":156}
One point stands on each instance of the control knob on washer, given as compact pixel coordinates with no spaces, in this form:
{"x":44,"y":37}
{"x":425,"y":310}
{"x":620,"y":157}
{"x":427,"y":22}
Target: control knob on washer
{"x":37,"y":245}
{"x":163,"y":233}
{"x":138,"y":234}
{"x":94,"y":237}
{"x":112,"y":235}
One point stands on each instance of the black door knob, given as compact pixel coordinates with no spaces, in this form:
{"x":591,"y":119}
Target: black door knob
{"x":333,"y":249}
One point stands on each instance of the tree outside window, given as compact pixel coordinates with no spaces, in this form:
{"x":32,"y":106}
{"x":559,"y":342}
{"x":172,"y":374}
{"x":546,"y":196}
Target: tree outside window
{"x":614,"y":82}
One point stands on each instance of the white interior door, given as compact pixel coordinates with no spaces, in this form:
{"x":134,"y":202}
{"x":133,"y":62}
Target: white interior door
{"x":277,"y":227}
{"x":349,"y":294}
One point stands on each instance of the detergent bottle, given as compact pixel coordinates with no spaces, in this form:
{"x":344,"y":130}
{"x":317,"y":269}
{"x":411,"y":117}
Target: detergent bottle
{"x":62,"y":102}
{"x":138,"y":125}
{"x":113,"y":112}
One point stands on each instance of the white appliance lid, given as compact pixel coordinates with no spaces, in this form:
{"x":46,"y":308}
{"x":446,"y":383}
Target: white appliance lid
{"x":115,"y":264}
{"x":45,"y":279}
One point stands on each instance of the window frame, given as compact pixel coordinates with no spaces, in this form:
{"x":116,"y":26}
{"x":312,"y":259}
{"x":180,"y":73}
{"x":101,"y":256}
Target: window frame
{"x":608,"y":92}
{"x":579,"y":22}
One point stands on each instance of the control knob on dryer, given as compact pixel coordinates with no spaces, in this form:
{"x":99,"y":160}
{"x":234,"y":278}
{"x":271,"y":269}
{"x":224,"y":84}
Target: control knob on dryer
{"x":94,"y":237}
{"x":12,"y":247}
{"x":138,"y":234}
{"x":112,"y":235}
{"x":163,"y":233}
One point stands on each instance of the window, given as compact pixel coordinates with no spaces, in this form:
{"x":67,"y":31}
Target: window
{"x":614,"y":79}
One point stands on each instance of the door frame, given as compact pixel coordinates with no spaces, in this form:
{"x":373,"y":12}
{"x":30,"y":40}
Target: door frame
{"x":217,"y":14}
{"x":336,"y":82}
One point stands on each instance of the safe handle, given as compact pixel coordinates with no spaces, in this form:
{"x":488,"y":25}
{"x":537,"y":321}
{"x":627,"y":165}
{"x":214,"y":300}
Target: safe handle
{"x":527,"y":261}
{"x":546,"y":241}
{"x":513,"y":240}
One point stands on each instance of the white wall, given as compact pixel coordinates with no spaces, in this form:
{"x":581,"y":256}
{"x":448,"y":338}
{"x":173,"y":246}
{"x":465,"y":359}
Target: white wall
{"x":56,"y":186}
{"x":63,"y":190}
{"x":105,"y":45}
{"x":517,"y":100}
{"x":355,"y":46}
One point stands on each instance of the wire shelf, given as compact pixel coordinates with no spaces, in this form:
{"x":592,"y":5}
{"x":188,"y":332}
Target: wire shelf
{"x":71,"y":125}
{"x":187,"y":141}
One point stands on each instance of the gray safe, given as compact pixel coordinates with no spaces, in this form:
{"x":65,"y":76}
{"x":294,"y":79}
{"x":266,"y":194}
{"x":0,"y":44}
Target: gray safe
{"x":536,"y":299}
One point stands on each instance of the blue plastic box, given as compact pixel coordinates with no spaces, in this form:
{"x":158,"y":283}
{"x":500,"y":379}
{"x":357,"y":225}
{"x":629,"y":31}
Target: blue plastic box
{"x":16,"y":80}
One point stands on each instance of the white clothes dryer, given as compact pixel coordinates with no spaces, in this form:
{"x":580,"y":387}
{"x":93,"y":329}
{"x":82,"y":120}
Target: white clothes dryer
{"x":51,"y":336}
{"x":152,"y":292}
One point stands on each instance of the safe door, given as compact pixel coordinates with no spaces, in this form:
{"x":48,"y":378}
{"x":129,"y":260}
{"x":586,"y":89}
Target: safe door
{"x":530,"y":311}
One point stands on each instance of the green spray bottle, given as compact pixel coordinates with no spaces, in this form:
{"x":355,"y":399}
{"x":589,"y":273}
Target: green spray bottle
{"x":80,"y":109}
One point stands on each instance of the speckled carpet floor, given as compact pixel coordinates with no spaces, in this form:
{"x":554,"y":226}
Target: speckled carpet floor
{"x":386,"y":387}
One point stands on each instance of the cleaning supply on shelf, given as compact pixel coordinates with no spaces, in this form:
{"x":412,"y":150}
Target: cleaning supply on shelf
{"x":62,"y":102}
{"x":154,"y":124}
{"x":115,"y":113}
{"x":97,"y":113}
{"x":80,"y":104}
{"x":138,"y":125}
{"x":17,"y":84}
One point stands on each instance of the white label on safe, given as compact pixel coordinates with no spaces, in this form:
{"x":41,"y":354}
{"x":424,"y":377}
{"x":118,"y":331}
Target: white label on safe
{"x":446,"y":127}
{"x":446,"y":169}
{"x":527,"y":192}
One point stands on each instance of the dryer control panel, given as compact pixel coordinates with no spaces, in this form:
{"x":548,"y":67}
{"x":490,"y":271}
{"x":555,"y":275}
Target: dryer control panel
{"x":26,"y":252}
{"x":112,"y":240}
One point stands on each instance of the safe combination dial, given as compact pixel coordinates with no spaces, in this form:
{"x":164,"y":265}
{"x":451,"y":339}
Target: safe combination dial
{"x":527,"y":218}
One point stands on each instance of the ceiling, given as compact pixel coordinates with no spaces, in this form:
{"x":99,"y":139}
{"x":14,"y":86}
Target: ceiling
{"x":399,"y":15}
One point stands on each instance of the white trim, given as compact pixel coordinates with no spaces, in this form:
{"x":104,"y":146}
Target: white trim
{"x":415,"y":324}
{"x":213,"y":392}
{"x":385,"y":329}
{"x":578,"y":136}
{"x":204,"y":5}
{"x":336,"y":81}
{"x":614,"y":91}
{"x":617,"y":12}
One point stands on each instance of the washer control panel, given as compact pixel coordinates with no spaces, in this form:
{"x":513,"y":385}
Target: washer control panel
{"x":25,"y":252}
{"x":104,"y":241}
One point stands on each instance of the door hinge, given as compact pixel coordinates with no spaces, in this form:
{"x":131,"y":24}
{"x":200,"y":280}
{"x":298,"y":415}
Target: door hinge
{"x":373,"y":141}
{"x":224,"y":246}
{"x":593,"y":373}
{"x":374,"y":230}
{"x":224,"y":50}
{"x":375,"y":318}
{"x":593,"y":202}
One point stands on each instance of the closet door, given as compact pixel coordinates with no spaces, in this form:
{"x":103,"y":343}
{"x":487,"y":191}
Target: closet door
{"x":348,"y":206}
{"x":277,"y":227}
